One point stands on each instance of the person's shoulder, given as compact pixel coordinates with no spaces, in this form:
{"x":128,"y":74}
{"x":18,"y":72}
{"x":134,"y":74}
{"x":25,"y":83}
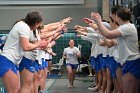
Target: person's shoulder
{"x":76,"y":47}
{"x":22,"y":24}
{"x":128,"y":26}
{"x":66,"y":48}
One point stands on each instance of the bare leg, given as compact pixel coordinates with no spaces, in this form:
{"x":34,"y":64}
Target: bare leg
{"x":11,"y":82}
{"x":70,"y":75}
{"x":130,"y":83}
{"x":116,"y":85}
{"x":119,"y":79}
{"x":73,"y":74}
{"x":26,"y":81}
{"x":43,"y":79}
{"x":98,"y":87}
{"x":96,"y":78}
{"x":104,"y":81}
{"x":109,"y":82}
{"x":49,"y":65}
{"x":37,"y":77}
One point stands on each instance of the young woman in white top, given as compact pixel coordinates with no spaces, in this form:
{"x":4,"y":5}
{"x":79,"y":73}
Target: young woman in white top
{"x":71,"y":54}
{"x":118,"y":69}
{"x":94,"y":37}
{"x":27,"y":66}
{"x":16,"y":45}
{"x":97,"y":50}
{"x":45,"y":71}
{"x":128,"y":51}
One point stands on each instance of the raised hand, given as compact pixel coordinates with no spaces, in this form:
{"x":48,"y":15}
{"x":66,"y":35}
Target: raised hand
{"x":87,"y":20}
{"x":66,"y":20}
{"x":42,"y":44}
{"x":61,"y":27}
{"x":81,"y":32}
{"x":78,"y":27}
{"x":96,"y":17}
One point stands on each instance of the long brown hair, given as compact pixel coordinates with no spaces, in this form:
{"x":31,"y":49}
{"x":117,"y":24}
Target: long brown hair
{"x":31,"y":18}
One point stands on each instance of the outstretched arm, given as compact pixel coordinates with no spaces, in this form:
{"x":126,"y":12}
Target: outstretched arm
{"x":107,"y":33}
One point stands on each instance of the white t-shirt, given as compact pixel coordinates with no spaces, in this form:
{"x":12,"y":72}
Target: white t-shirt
{"x":128,"y":43}
{"x":104,"y":51}
{"x":101,"y":49}
{"x":93,"y":37}
{"x":40,"y":55}
{"x":116,"y":53}
{"x":33,"y":53}
{"x":113,"y":52}
{"x":69,"y":53}
{"x":48,"y":56}
{"x":93,"y":41}
{"x":91,"y":30}
{"x":12,"y":48}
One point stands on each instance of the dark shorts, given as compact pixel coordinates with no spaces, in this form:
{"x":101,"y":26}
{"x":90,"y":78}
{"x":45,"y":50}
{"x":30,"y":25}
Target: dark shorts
{"x":97,"y":63}
{"x":6,"y":65}
{"x":44,"y":63}
{"x":108,"y":61}
{"x":73,"y":66}
{"x":28,"y":64}
{"x":112,"y":67}
{"x":118,"y":65}
{"x":92,"y":60}
{"x":36,"y":66}
{"x":133,"y":67}
{"x":103,"y":62}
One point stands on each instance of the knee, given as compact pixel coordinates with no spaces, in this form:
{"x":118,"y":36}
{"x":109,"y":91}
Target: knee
{"x":70,"y":72}
{"x":29,"y":83}
{"x":13,"y":90}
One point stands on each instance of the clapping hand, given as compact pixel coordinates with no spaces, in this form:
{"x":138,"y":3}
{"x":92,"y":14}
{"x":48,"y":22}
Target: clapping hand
{"x":96,"y":17}
{"x":87,"y":20}
{"x":42,"y":44}
{"x":66,"y":20}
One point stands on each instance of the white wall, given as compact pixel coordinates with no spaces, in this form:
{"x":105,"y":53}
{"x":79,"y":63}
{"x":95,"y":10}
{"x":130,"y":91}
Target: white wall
{"x":51,"y":13}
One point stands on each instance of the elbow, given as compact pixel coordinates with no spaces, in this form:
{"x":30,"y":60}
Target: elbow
{"x":108,"y":36}
{"x":25,"y":49}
